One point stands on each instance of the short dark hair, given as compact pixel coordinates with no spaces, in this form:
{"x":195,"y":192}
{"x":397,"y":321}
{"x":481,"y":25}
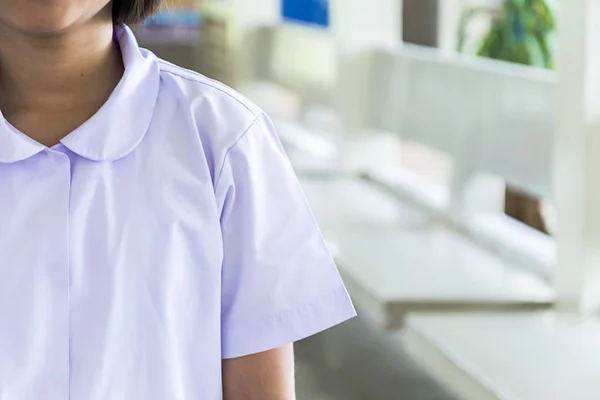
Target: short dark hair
{"x":133,"y":12}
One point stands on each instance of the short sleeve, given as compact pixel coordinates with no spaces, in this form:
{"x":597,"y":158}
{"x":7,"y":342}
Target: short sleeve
{"x":279,"y":282}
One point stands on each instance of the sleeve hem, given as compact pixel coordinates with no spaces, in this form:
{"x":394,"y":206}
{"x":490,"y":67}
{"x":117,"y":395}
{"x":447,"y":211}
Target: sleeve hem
{"x":289,"y":326}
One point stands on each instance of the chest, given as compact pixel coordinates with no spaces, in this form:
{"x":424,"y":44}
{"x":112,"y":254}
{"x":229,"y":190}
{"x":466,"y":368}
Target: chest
{"x":115,"y":262}
{"x":146,"y":210}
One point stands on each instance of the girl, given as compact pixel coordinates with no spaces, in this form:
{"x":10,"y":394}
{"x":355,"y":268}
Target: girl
{"x":154,"y":242}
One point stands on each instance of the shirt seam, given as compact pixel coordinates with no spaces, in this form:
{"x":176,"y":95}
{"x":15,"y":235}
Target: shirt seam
{"x":243,"y":135}
{"x":209,"y":84}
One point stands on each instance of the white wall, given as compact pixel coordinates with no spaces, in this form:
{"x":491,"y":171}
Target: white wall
{"x":250,"y":13}
{"x":359,"y":24}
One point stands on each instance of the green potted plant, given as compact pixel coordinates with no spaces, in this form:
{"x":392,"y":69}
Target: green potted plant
{"x":521,"y":31}
{"x":524,"y":32}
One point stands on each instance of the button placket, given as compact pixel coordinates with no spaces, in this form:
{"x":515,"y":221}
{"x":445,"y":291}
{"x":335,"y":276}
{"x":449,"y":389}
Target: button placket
{"x":65,"y":188}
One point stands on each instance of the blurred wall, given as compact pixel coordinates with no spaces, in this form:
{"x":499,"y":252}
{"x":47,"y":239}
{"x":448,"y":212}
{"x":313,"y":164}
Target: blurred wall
{"x":182,"y":54}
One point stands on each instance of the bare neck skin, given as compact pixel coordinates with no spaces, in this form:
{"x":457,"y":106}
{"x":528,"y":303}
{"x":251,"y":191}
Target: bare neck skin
{"x":51,"y":84}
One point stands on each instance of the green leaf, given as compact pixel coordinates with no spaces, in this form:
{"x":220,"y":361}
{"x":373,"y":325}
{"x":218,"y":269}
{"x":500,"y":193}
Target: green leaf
{"x":547,"y":55}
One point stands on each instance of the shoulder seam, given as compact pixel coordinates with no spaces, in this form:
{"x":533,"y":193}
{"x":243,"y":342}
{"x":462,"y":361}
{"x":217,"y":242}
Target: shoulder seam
{"x":202,"y":82}
{"x":243,"y":135}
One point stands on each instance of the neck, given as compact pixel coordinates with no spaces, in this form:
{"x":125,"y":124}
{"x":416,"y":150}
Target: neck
{"x":76,"y":68}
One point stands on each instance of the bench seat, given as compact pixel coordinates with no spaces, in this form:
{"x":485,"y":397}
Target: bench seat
{"x":513,"y":356}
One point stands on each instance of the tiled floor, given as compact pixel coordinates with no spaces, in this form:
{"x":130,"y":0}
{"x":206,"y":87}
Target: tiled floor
{"x":356,"y":362}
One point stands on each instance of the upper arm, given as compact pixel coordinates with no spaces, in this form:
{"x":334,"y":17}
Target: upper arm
{"x":264,"y":376}
{"x":279,"y":282}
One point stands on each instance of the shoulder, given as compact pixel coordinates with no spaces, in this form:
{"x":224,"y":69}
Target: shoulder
{"x":207,"y":98}
{"x":208,"y":111}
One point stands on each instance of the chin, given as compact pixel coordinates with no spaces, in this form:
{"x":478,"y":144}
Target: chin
{"x":42,"y":24}
{"x":44,"y":17}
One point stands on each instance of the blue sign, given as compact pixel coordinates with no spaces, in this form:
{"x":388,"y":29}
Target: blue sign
{"x":312,"y":12}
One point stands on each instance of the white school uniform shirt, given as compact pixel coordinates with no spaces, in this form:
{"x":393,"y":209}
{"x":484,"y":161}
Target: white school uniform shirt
{"x":165,"y":234}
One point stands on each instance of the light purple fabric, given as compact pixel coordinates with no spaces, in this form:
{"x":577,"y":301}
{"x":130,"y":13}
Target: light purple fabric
{"x":164,"y":234}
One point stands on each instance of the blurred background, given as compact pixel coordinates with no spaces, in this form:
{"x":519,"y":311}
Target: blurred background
{"x":449,"y":149}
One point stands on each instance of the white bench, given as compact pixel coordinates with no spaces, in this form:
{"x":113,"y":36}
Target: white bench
{"x":483,"y":355}
{"x":545,"y":356}
{"x":397,"y":259}
{"x":489,"y":118}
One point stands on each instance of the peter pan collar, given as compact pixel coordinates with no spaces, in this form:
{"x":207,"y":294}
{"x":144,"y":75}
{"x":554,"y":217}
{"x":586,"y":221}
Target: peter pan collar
{"x":120,"y":124}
